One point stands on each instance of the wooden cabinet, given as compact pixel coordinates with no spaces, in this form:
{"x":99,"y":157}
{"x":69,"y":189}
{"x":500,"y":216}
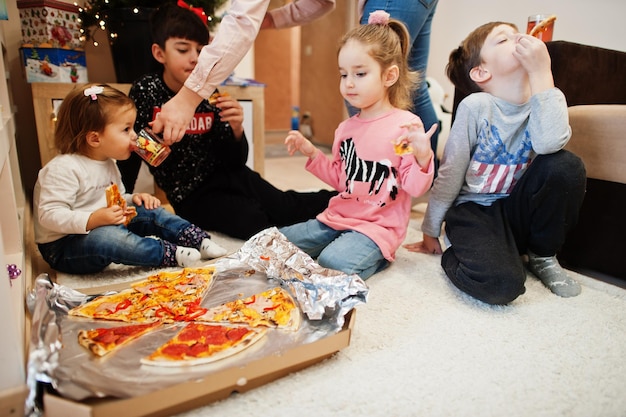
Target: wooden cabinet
{"x":47,"y":95}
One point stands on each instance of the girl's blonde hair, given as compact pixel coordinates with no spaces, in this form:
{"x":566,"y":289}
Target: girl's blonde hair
{"x":389,"y":45}
{"x":80,"y":114}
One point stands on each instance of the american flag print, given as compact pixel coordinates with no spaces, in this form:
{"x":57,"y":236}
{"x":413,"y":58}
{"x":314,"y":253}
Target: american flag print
{"x":494,"y":169}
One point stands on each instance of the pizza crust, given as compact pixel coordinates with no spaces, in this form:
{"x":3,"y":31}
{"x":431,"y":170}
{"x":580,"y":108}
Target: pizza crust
{"x":213,"y":98}
{"x":542,"y":25}
{"x":403,"y":147}
{"x":114,"y":197}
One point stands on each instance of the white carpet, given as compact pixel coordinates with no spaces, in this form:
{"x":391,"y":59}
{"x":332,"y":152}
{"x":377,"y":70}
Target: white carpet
{"x":422,"y":348}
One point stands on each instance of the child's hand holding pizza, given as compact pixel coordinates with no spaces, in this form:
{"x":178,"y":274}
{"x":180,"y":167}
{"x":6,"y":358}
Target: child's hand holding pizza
{"x":416,"y":141}
{"x":106,"y":216}
{"x":232,"y":113}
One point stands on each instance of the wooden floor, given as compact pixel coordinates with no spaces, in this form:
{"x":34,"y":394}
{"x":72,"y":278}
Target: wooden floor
{"x":288,"y":173}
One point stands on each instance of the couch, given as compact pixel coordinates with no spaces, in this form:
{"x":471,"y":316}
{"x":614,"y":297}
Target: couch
{"x":594,"y":85}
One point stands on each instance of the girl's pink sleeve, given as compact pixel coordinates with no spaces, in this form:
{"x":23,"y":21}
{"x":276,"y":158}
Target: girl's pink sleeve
{"x":413,"y":179}
{"x":326,"y":169}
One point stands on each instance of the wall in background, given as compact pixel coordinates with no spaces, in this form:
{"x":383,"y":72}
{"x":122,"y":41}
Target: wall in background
{"x":598,"y":23}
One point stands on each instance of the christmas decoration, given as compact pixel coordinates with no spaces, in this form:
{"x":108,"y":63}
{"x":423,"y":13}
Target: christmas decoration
{"x":94,"y":14}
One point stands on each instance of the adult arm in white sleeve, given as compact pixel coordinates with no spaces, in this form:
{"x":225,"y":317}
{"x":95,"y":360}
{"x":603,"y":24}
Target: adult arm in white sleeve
{"x":235,"y":36}
{"x":300,"y":12}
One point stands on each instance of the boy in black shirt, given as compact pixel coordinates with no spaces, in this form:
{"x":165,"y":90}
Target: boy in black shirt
{"x":205,"y":177}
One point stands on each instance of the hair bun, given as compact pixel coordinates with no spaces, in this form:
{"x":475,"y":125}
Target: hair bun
{"x":378,"y":17}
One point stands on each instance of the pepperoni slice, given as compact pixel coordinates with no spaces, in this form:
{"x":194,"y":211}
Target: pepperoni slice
{"x":106,"y":337}
{"x":189,"y":334}
{"x":176,"y":351}
{"x":236,"y":333}
{"x":197,"y":349}
{"x":216,"y":337}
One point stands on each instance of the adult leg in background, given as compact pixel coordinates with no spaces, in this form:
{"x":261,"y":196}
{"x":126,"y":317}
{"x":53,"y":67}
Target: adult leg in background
{"x":417,"y":15}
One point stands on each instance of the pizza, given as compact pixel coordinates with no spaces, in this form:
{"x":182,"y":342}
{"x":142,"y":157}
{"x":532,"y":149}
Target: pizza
{"x":271,"y":308}
{"x":213,"y":98}
{"x":201,"y":343}
{"x":164,"y":297}
{"x":174,"y":297}
{"x":402,"y":147}
{"x":114,"y":197}
{"x":102,"y":341}
{"x":542,"y":25}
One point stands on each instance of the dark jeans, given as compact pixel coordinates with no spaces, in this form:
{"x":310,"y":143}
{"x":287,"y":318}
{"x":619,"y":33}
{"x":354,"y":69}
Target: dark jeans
{"x":92,"y":252}
{"x":242,"y":203}
{"x":487,"y":241}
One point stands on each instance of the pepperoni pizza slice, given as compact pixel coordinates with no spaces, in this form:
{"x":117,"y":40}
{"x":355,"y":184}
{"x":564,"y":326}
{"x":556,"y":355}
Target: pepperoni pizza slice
{"x":102,"y":341}
{"x":201,"y":343}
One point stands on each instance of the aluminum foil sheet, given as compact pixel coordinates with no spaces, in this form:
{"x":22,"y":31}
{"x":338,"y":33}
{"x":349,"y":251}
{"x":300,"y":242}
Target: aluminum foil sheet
{"x":321,"y":292}
{"x":265,"y":261}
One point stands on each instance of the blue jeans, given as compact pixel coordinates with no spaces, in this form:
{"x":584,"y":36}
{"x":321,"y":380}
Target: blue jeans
{"x":94,"y":251}
{"x":417,"y":15}
{"x":343,"y":250}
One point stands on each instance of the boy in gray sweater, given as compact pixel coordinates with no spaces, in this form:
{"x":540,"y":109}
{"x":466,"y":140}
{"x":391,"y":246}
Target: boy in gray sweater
{"x":505,"y":187}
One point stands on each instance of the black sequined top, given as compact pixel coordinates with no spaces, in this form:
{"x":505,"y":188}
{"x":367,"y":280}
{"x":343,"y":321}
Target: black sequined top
{"x":209,"y":144}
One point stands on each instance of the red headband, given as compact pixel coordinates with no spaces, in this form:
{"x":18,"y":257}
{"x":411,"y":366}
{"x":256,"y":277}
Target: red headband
{"x":197,"y":10}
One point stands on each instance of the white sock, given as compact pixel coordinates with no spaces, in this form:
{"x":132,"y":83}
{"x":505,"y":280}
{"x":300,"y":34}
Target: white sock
{"x":553,"y":276}
{"x":187,"y":256}
{"x":210,"y":249}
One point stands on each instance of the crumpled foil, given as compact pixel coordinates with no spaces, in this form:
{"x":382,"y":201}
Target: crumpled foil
{"x":324,"y":296}
{"x":321,"y":292}
{"x":44,"y":302}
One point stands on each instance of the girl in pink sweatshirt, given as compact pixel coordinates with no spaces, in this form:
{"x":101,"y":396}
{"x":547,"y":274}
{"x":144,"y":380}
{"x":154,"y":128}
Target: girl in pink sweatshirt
{"x":381,"y":157}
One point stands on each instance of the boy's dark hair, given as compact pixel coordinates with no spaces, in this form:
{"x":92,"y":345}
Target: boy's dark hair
{"x":467,"y":56}
{"x":173,"y":21}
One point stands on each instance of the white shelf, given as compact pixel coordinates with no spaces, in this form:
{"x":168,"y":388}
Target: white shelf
{"x":12,"y":292}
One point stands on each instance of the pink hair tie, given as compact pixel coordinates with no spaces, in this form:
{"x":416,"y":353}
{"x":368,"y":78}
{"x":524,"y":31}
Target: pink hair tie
{"x":379,"y":17}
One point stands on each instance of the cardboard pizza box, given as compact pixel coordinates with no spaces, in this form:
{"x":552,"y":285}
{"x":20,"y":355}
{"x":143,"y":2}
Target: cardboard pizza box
{"x":217,"y":386}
